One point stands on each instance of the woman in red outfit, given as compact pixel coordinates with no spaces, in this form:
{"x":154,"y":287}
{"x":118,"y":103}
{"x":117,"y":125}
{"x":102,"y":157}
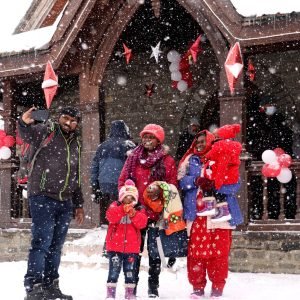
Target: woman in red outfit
{"x":209,"y":245}
{"x":147,"y":163}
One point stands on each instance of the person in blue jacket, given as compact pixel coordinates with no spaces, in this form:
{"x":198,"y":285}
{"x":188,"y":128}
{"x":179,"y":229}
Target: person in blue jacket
{"x":107,"y":165}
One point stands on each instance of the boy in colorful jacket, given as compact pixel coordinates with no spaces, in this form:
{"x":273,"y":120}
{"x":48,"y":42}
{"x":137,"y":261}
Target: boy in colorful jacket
{"x":123,"y":239}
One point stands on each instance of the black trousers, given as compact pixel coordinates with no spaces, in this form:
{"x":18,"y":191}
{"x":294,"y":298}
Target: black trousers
{"x":273,"y":206}
{"x":154,"y":264}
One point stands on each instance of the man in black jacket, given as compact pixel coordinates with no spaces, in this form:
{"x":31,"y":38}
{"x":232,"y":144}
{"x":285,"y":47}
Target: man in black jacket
{"x":53,"y":189}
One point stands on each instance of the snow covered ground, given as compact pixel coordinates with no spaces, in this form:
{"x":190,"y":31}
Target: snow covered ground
{"x":84,"y":276}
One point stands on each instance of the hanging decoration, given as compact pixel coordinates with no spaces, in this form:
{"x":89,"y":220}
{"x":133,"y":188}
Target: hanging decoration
{"x":149,"y":89}
{"x":234,"y":65}
{"x":156,"y":7}
{"x":127,"y":53}
{"x":49,"y":84}
{"x":181,"y":75}
{"x":195,"y":49}
{"x":251,"y":71}
{"x":6,"y":142}
{"x":277,"y":164}
{"x":155,"y":52}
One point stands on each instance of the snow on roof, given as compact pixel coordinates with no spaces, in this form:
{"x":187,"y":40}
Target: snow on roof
{"x":37,"y":39}
{"x":29,"y":40}
{"x":11,"y":13}
{"x":265,"y":7}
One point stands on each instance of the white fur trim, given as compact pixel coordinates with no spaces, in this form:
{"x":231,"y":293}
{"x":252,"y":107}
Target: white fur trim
{"x":49,"y":83}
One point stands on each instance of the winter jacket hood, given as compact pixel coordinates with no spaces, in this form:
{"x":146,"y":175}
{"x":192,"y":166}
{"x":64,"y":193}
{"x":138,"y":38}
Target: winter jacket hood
{"x":119,"y":129}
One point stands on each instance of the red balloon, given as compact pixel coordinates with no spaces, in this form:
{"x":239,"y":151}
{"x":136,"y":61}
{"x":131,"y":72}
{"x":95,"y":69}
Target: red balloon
{"x":9,"y":141}
{"x":2,"y":134}
{"x":1,"y":142}
{"x":271,"y":170}
{"x":279,"y":151}
{"x":285,"y":160}
{"x":19,"y":141}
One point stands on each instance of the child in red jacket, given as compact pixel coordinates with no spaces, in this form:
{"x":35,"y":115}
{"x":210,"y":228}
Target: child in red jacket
{"x":222,"y":167}
{"x":123,"y":239}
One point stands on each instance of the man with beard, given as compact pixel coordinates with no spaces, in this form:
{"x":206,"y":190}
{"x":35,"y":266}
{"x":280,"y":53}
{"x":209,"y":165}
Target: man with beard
{"x":53,"y":189}
{"x":186,"y":138}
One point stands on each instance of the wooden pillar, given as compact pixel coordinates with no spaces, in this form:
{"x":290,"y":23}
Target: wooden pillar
{"x":7,"y":166}
{"x":89,"y":106}
{"x":233,"y":110}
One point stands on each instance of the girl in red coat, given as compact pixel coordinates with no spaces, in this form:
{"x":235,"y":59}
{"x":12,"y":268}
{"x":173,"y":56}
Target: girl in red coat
{"x":147,"y":163}
{"x":123,"y":239}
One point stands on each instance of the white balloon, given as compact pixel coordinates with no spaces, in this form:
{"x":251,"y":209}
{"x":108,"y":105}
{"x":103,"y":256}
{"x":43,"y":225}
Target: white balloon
{"x":174,"y":66}
{"x":5,"y":152}
{"x":182,"y":85}
{"x":24,"y":193}
{"x":285,"y":175}
{"x":269,"y":156}
{"x":173,"y":56}
{"x":176,"y":76}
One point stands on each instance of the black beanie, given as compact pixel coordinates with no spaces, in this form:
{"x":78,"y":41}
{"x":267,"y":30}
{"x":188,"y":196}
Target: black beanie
{"x":71,"y":111}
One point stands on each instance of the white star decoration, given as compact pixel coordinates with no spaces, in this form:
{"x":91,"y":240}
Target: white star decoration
{"x":155,"y":52}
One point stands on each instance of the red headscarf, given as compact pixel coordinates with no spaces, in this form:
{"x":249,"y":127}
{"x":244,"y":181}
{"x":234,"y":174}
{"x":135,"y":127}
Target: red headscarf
{"x":192,"y":150}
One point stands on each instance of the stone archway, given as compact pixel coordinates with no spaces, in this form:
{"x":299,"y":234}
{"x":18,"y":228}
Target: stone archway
{"x":123,"y":14}
{"x":118,"y":104}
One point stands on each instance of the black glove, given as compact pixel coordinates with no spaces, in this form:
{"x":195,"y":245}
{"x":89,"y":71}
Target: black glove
{"x":96,"y":193}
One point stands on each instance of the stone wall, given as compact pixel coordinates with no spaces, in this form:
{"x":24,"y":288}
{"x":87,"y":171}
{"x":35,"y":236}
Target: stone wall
{"x":14,"y":243}
{"x":266,"y":252}
{"x":272,"y":252}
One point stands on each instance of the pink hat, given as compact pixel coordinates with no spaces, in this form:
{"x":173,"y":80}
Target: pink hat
{"x":129,"y":189}
{"x":154,"y":129}
{"x":228,"y":131}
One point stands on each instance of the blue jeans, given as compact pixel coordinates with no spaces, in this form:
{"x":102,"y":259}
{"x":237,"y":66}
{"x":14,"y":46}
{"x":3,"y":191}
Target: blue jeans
{"x":130,"y":266}
{"x":50,"y":223}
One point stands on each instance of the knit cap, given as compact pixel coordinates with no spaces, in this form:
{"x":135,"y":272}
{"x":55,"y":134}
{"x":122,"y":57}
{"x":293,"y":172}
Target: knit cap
{"x":228,"y":131}
{"x":154,"y":129}
{"x":129,"y":189}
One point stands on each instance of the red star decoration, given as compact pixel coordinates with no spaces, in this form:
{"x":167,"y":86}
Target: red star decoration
{"x":149,"y":89}
{"x":195,"y":49}
{"x":251,"y":70}
{"x":127,"y":53}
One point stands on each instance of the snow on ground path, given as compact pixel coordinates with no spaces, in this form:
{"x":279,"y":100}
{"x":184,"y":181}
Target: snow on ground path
{"x":89,"y":284}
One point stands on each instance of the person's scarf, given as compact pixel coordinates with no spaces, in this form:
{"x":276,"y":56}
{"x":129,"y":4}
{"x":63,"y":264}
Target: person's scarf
{"x":153,"y":161}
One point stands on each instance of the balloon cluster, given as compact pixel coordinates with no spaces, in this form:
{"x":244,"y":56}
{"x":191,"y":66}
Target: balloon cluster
{"x":277,"y":164}
{"x":6,"y":142}
{"x":180,"y":70}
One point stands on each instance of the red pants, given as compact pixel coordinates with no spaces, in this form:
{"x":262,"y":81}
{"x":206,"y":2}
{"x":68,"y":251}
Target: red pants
{"x":216,"y":268}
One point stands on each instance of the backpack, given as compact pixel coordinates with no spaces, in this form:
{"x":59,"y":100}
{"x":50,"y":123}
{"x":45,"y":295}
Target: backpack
{"x":27,"y":156}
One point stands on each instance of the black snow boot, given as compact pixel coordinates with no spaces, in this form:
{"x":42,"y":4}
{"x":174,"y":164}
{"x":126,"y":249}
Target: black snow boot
{"x":153,"y":291}
{"x":53,"y":292}
{"x":36,"y":293}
